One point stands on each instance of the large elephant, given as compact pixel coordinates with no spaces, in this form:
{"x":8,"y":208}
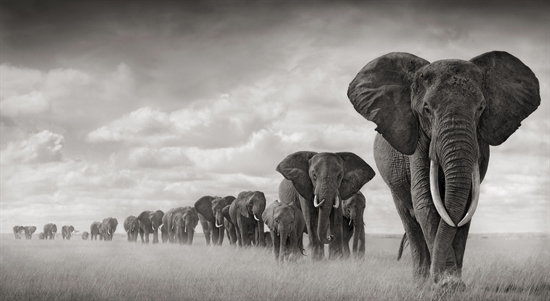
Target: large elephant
{"x":435,"y":123}
{"x":131,"y":226}
{"x":150,"y":222}
{"x":96,"y":231}
{"x":353,"y":225}
{"x":286,"y":226}
{"x":67,"y":231}
{"x":180,"y":224}
{"x":319,"y":181}
{"x":108,"y":228}
{"x":17,"y":230}
{"x":41,"y":236}
{"x":246,"y":215}
{"x":29,"y":231}
{"x":50,"y":230}
{"x":211,"y":217}
{"x":85,"y":235}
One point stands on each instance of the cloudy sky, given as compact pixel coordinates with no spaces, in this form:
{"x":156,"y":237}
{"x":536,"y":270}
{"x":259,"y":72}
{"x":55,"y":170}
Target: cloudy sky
{"x":111,"y":108}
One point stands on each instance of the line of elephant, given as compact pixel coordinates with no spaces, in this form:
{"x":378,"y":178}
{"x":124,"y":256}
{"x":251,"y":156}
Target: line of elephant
{"x":435,"y":123}
{"x":50,"y":230}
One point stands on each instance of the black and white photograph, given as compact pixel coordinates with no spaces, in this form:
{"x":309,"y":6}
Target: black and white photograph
{"x":274,"y":150}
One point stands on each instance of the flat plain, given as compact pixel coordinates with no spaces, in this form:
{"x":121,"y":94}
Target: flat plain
{"x":497,"y":267}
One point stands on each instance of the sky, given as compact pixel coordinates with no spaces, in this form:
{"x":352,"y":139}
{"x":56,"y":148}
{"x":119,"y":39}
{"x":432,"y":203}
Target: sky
{"x":110,"y":108}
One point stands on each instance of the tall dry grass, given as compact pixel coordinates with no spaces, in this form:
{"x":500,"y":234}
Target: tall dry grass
{"x":495,"y":269}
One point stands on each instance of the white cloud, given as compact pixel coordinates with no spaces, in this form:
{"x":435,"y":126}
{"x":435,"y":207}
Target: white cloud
{"x":166,"y":157}
{"x":39,"y":148}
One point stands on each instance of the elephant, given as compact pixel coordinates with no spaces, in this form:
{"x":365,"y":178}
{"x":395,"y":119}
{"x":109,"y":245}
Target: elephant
{"x":246,"y":215}
{"x":353,"y":225}
{"x":211,"y":217}
{"x":29,"y":231}
{"x":67,"y":231}
{"x":108,"y":227}
{"x":319,"y":181}
{"x":435,"y":122}
{"x":180,"y":224}
{"x":267,"y":239}
{"x":41,"y":236}
{"x":402,"y":246}
{"x":131,"y":226}
{"x":85,"y":235}
{"x":229,"y":226}
{"x":163,"y":234}
{"x":150,"y":222}
{"x":50,"y":230}
{"x":286,"y":225}
{"x":96,"y":231}
{"x":17,"y":231}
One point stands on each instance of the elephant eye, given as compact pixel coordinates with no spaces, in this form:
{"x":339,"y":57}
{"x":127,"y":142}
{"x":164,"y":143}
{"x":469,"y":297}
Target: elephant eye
{"x":276,"y":220}
{"x":427,"y":110}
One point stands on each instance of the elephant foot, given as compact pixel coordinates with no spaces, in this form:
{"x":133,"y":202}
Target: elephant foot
{"x":450,"y":285}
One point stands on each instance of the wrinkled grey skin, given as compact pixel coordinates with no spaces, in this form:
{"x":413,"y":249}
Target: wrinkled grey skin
{"x":67,"y":231}
{"x":163,"y":234}
{"x":330,"y":177}
{"x":131,"y":226}
{"x":353,"y":226}
{"x":286,"y":226}
{"x":180,"y":224}
{"x":447,"y":112}
{"x":41,"y":236}
{"x":29,"y":231}
{"x":246,"y":214}
{"x":50,"y":230}
{"x":108,"y":228}
{"x":17,"y":230}
{"x":96,"y":231}
{"x":150,"y":222}
{"x":210,"y":210}
{"x":402,"y":246}
{"x":85,"y":235}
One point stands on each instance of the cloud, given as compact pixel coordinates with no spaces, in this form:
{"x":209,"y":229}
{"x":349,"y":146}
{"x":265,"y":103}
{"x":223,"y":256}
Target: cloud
{"x":166,"y":157}
{"x":42,"y":147}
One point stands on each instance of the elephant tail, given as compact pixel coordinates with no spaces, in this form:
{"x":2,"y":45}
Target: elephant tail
{"x":402,"y":246}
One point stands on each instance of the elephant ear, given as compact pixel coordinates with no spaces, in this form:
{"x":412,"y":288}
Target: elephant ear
{"x":356,"y":174}
{"x":225,"y":212}
{"x":229,"y":199}
{"x":381,"y":92}
{"x":511,"y":90}
{"x":204,"y":207}
{"x":295,"y":167}
{"x":242,"y":200}
{"x":267,"y":216}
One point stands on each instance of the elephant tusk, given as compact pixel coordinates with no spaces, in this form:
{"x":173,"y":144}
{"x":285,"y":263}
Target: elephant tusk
{"x":278,"y":201}
{"x":218,"y":226}
{"x":436,"y":196}
{"x":350,"y":222}
{"x":316,"y":202}
{"x":257,"y":219}
{"x":336,"y":202}
{"x":475,"y":197}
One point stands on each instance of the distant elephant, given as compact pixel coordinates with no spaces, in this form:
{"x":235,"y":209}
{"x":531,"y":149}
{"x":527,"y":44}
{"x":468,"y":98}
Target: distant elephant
{"x":29,"y":231}
{"x":67,"y":231}
{"x":50,"y":230}
{"x":286,"y":225}
{"x":108,"y":228}
{"x":41,"y":236}
{"x":402,"y":246}
{"x":435,"y":123}
{"x":17,"y":231}
{"x":96,"y":231}
{"x":150,"y":222}
{"x":353,"y":226}
{"x":163,"y":234}
{"x":180,"y":224}
{"x":85,"y":235}
{"x":131,"y":226}
{"x":211,"y":217}
{"x":320,"y":181}
{"x":246,"y":214}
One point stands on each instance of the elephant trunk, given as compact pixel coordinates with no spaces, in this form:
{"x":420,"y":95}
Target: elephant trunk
{"x":283,"y":247}
{"x":357,"y":228}
{"x":323,"y":225}
{"x":458,"y":154}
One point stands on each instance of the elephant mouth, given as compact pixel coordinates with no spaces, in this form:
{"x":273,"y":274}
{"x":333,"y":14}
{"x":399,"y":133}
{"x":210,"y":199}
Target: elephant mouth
{"x":438,"y":203}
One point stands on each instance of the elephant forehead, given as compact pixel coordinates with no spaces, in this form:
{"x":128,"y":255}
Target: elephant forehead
{"x":328,"y":161}
{"x":451,"y":68}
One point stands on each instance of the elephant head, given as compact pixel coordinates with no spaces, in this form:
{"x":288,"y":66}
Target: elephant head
{"x":186,"y":221}
{"x":281,"y":218}
{"x":17,"y":231}
{"x":131,"y":226}
{"x":31,"y":231}
{"x":325,"y":179}
{"x":85,"y":235}
{"x":445,"y":115}
{"x":211,"y":209}
{"x":353,"y":208}
{"x":41,"y":236}
{"x":108,"y":226}
{"x":251,"y":204}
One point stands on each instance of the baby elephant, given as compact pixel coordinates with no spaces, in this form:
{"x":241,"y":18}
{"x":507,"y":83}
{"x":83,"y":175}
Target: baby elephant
{"x":286,"y":224}
{"x":353,"y":225}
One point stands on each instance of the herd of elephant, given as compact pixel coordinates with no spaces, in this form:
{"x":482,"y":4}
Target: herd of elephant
{"x":49,"y":231}
{"x":435,"y":123}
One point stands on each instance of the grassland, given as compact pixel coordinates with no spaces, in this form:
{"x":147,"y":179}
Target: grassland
{"x":496,"y":268}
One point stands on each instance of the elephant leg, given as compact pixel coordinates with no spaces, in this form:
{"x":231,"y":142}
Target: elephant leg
{"x":239,"y":231}
{"x":311,"y":216}
{"x":335,"y":247}
{"x":360,"y":232}
{"x":206,"y":230}
{"x":147,"y":236}
{"x":347,"y":233}
{"x":155,"y":236}
{"x":215,"y":233}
